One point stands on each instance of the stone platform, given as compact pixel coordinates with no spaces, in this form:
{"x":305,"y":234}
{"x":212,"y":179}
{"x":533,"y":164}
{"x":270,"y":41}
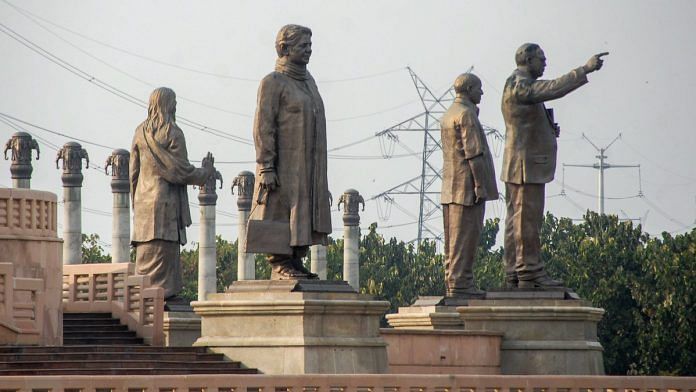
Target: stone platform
{"x":428,"y":337}
{"x":545,"y":332}
{"x":295,"y":327}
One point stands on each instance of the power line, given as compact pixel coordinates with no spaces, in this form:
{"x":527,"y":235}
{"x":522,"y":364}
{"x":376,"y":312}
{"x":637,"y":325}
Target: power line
{"x":55,"y":132}
{"x":111,"y":89}
{"x":183,"y":68}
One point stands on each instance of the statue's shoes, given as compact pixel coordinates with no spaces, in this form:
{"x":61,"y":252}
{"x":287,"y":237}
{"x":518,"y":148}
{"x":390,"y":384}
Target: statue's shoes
{"x":543,"y":281}
{"x":466,"y":292}
{"x":286,"y":272}
{"x":297,"y":264}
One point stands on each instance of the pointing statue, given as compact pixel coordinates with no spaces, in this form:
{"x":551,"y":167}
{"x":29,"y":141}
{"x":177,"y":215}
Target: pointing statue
{"x":468,"y":181}
{"x":291,"y":202}
{"x":159,"y":174}
{"x":529,"y":160}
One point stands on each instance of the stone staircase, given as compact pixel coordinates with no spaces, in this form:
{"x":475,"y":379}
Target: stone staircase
{"x":96,"y":344}
{"x":96,"y":329}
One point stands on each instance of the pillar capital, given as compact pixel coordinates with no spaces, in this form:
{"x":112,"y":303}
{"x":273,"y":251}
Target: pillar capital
{"x":245,"y":189}
{"x":351,"y":201}
{"x":72,"y":154}
{"x":119,"y":163}
{"x":206,"y":194}
{"x":21,"y":144}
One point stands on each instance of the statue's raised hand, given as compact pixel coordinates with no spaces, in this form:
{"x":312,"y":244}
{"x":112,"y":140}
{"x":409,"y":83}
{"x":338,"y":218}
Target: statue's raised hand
{"x":595,"y":62}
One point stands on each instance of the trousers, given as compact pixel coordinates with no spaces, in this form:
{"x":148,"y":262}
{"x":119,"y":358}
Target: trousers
{"x":463,"y":226}
{"x":525,"y":213}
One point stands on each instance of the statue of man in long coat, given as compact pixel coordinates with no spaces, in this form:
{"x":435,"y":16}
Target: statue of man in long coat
{"x":291,"y":205}
{"x":159,"y":174}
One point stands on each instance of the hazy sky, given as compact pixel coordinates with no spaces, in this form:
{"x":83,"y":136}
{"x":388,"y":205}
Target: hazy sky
{"x":212,"y":53}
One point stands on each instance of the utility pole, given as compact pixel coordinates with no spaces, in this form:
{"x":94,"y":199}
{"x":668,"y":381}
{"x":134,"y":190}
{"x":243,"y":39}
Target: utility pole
{"x":601,"y":165}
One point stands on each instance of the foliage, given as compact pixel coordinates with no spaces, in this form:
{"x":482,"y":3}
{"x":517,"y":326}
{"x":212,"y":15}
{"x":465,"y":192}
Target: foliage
{"x":92,"y":251}
{"x":647,"y":286}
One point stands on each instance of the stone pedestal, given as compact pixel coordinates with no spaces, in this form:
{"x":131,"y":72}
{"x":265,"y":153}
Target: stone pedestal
{"x":545,"y":332}
{"x":428,"y":337}
{"x":445,"y":351}
{"x":295,"y":327}
{"x":29,"y":241}
{"x":436,"y":312}
{"x":181,"y":329}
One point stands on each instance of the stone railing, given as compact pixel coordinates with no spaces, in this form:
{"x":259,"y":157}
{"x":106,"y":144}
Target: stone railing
{"x":112,"y":288}
{"x":26,"y":212}
{"x":21,"y":307}
{"x":348,"y":383}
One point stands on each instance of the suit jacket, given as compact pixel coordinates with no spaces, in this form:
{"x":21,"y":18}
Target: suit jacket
{"x":463,"y":139}
{"x":530,"y":137}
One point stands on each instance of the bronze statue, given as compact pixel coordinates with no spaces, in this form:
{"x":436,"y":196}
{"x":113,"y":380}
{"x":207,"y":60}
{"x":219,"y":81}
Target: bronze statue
{"x":159,"y":174}
{"x":529,"y":161}
{"x":468,"y":181}
{"x":291,"y":203}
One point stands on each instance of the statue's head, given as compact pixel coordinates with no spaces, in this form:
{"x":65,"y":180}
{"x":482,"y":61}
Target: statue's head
{"x":295,"y":43}
{"x":162,"y":106}
{"x":531,"y":58}
{"x":469,"y":85}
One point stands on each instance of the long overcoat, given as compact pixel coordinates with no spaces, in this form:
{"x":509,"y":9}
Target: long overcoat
{"x":290,"y":138}
{"x":530,"y":137}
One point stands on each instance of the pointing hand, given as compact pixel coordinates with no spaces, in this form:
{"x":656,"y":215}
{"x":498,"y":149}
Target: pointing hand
{"x":595,"y":62}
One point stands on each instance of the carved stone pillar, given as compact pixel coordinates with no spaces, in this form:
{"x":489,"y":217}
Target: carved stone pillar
{"x":120,"y":188}
{"x":72,"y":154}
{"x":351,"y":201}
{"x":207,"y":253}
{"x":21,"y":145}
{"x":318,"y":266}
{"x":246,"y":266}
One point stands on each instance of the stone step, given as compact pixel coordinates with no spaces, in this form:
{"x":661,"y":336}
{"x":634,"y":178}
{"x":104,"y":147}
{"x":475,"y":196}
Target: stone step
{"x":93,"y":328}
{"x":90,"y":340}
{"x":124,"y":371}
{"x":72,"y":316}
{"x":111,"y":356}
{"x":126,"y":364}
{"x":99,"y":349}
{"x":82,"y":333}
{"x":91,"y":321}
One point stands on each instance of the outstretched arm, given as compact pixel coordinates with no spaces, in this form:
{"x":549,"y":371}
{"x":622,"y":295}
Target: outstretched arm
{"x":536,"y":91}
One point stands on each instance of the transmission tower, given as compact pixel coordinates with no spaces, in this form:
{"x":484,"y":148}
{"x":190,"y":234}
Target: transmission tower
{"x":601,"y":165}
{"x":427,"y":184}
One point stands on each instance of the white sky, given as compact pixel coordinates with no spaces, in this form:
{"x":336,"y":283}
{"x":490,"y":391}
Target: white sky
{"x":644,"y":91}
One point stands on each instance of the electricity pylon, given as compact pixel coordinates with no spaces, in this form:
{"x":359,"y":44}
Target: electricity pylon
{"x":427,"y":184}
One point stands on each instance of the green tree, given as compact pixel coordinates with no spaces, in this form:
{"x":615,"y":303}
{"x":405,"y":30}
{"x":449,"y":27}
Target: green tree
{"x":92,"y":251}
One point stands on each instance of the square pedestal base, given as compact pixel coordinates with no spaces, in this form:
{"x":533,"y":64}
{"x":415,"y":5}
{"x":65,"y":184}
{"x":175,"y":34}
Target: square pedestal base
{"x":295,"y":327}
{"x":541,"y":336}
{"x":181,"y":329}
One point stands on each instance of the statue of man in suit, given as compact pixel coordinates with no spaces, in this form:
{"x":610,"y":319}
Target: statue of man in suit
{"x":468,"y":181}
{"x":529,"y":160}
